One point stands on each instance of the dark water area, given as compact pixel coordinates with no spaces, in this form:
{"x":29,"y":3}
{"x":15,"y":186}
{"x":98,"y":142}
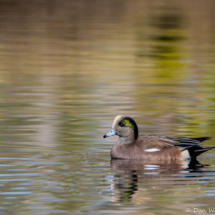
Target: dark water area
{"x":67,"y":68}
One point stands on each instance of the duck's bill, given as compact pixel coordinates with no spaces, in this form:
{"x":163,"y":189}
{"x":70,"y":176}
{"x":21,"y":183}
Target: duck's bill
{"x":110,"y":133}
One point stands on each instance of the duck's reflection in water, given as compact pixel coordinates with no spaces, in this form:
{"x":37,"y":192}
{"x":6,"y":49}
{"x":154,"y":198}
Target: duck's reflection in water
{"x":129,"y":175}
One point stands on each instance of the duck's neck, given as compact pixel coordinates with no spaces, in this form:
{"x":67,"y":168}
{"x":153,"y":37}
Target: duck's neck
{"x":126,"y":140}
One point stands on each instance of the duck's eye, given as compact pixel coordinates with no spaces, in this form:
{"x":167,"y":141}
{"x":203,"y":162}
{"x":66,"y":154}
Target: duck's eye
{"x":120,"y":124}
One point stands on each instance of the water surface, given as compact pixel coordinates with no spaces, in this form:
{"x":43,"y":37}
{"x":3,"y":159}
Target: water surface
{"x":67,"y":68}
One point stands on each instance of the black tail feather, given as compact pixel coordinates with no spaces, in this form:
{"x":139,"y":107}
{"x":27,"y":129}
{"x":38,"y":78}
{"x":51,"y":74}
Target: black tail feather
{"x":189,"y":141}
{"x":204,"y":149}
{"x":201,"y":139}
{"x":198,"y":149}
{"x":193,"y":145}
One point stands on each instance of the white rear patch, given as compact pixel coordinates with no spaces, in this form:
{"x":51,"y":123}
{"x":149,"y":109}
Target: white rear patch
{"x":152,"y":150}
{"x":185,"y":155}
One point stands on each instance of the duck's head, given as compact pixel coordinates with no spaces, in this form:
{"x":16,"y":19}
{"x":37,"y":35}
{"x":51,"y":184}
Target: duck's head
{"x":124,"y":127}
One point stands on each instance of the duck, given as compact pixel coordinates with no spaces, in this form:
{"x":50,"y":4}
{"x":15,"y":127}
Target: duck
{"x":131,"y":145}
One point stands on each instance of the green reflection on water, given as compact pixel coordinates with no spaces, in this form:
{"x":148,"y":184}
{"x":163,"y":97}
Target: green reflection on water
{"x":65,"y":72}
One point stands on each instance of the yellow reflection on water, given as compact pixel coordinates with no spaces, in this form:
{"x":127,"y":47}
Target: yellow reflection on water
{"x":67,"y":68}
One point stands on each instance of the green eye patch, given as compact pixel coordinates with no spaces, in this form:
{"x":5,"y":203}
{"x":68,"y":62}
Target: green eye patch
{"x":127,"y":123}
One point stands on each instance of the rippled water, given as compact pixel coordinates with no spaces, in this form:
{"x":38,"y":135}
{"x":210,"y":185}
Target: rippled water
{"x":67,"y":68}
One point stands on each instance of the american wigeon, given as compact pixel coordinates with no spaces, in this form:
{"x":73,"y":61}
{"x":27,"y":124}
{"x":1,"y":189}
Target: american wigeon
{"x":130,"y":145}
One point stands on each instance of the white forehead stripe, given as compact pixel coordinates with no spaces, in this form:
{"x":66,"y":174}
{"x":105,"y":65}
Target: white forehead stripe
{"x":116,"y":120}
{"x":152,"y":150}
